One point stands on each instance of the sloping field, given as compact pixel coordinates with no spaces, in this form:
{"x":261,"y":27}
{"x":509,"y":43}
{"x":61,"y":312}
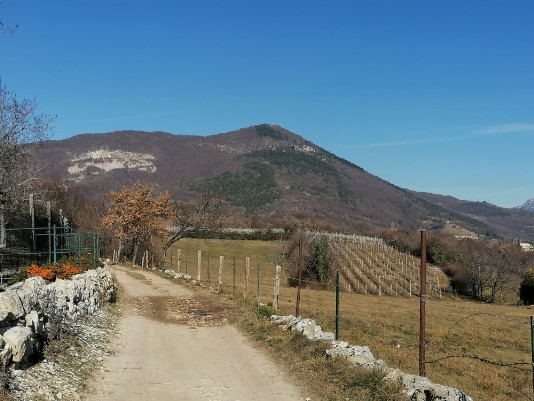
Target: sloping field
{"x":467,"y":342}
{"x":373,"y":267}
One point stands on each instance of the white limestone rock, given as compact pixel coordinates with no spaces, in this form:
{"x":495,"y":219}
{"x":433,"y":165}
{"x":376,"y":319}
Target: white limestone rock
{"x":20,"y":339}
{"x":34,"y":322}
{"x":357,"y":355}
{"x":10,"y":307}
{"x":28,"y":292}
{"x":6,"y":354}
{"x":418,"y":388}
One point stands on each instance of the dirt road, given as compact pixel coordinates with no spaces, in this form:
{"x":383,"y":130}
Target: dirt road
{"x":178,"y":345}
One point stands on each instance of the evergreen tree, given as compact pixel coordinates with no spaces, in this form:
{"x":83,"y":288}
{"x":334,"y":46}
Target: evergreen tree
{"x":526,"y":289}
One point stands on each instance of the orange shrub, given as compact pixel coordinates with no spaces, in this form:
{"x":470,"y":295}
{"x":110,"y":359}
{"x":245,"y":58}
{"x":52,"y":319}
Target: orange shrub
{"x":67,"y":270}
{"x":48,"y":273}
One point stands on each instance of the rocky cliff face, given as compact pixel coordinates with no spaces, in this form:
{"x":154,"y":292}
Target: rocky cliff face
{"x":101,"y":161}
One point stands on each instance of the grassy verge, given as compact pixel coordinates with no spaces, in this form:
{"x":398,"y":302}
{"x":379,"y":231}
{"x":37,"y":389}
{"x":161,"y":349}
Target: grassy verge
{"x":332,"y":379}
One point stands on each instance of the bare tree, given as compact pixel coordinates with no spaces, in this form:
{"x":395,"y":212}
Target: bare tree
{"x":84,"y":213}
{"x":487,"y":271}
{"x":21,"y":128}
{"x":205,"y":213}
{"x":4,"y":28}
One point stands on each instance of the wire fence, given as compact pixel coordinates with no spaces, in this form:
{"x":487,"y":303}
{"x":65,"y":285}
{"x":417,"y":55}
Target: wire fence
{"x":23,"y":246}
{"x":257,"y":279}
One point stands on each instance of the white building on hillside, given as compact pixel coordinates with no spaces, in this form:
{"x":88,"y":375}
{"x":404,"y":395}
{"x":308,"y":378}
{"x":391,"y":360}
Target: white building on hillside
{"x":527,"y":247}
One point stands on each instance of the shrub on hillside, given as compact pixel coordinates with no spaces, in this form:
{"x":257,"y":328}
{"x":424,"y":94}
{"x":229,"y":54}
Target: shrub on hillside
{"x":317,"y":269}
{"x":526,"y":289}
{"x":318,"y":261}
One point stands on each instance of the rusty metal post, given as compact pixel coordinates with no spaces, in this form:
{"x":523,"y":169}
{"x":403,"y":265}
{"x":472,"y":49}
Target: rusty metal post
{"x":337,"y":306}
{"x":297,"y":309}
{"x":49,"y":217}
{"x":32,"y":220}
{"x":532,"y":349}
{"x":422,"y":306}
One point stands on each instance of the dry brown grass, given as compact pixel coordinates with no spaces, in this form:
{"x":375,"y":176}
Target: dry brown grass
{"x":390,"y":326}
{"x":325,"y":379}
{"x":458,"y":331}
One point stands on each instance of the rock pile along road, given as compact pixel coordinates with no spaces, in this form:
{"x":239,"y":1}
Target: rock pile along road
{"x":176,"y":344}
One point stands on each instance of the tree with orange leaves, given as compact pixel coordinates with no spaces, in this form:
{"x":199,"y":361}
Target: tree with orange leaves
{"x":136,"y":216}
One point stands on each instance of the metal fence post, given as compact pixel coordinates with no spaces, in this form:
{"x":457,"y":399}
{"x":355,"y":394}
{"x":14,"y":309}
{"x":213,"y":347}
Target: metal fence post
{"x":98,"y":246}
{"x":337,"y":305}
{"x":80,"y":250}
{"x":49,"y":215}
{"x":422,"y":307}
{"x":297,"y":307}
{"x":55,"y":244}
{"x":532,"y":348}
{"x":94,"y":249}
{"x":258,"y":302}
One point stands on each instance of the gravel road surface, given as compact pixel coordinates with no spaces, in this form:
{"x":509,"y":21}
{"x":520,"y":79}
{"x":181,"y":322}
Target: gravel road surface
{"x":176,"y":344}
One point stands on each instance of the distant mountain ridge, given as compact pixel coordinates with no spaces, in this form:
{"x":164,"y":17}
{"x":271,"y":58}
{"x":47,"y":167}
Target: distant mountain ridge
{"x":271,"y":176}
{"x":528,"y":205}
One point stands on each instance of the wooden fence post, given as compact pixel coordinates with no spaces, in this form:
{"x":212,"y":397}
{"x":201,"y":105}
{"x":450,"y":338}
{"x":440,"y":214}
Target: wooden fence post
{"x":221,"y":263}
{"x":247,"y":275}
{"x":199,"y":263}
{"x":276,"y":286}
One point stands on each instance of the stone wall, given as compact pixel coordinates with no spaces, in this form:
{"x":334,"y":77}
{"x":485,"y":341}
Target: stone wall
{"x":33,"y":311}
{"x":416,"y":388}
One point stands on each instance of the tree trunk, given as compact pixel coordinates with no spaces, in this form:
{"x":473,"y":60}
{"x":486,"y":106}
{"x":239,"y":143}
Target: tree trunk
{"x":119,"y":251}
{"x":136,"y":248}
{"x":167,"y":244}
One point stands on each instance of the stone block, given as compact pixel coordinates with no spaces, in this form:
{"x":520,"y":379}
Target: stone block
{"x":20,"y":341}
{"x":28,"y":292}
{"x":10,"y":307}
{"x":6,"y":354}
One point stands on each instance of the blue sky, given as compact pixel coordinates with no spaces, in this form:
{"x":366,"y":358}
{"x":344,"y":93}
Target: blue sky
{"x":434,"y":96}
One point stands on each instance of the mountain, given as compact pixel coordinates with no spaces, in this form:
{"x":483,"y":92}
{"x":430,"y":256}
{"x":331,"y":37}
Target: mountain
{"x":528,"y":205}
{"x":513,"y":223}
{"x":272,"y":177}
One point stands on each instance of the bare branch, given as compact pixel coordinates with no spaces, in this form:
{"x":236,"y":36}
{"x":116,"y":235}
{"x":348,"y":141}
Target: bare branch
{"x":21,"y":128}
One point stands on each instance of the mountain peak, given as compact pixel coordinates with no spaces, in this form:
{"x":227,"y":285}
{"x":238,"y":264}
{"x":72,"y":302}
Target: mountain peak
{"x":270,"y":175}
{"x":528,"y":205}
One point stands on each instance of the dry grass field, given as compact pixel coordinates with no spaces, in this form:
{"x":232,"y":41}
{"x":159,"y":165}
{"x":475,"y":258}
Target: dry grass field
{"x":466,"y":341}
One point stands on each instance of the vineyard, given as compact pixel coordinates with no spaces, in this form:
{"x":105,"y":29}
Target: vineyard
{"x":482,"y":349}
{"x":368,"y":265}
